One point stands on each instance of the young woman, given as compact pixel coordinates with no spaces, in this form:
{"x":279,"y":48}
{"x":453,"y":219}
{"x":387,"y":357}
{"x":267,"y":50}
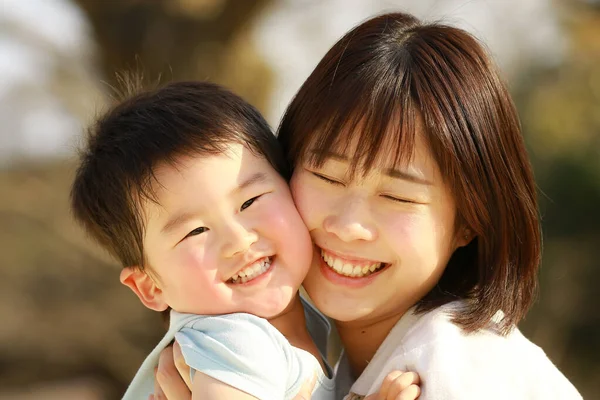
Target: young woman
{"x":411,"y":175}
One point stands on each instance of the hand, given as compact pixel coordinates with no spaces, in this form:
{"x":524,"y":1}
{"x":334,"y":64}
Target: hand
{"x":398,"y":385}
{"x":306,"y":389}
{"x":172,"y":376}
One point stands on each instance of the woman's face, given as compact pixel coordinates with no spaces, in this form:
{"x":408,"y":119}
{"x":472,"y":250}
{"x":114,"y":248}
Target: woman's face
{"x":382,"y":240}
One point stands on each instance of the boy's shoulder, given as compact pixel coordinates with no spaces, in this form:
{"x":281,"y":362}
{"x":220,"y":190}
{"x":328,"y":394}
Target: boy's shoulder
{"x":247,"y":352}
{"x":228,"y":328}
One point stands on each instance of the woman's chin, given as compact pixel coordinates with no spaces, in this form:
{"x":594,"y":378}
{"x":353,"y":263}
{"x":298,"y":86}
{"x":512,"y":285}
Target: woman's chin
{"x":341,"y":310}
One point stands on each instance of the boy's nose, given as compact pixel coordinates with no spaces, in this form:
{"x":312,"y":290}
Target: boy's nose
{"x":237,"y":239}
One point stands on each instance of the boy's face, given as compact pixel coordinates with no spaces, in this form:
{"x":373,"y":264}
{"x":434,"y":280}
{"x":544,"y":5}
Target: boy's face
{"x":225,"y":236}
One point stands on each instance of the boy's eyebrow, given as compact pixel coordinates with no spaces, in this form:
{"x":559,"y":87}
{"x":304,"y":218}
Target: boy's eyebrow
{"x":259,"y":177}
{"x":391,"y":172}
{"x":182,"y":218}
{"x":177,"y":220}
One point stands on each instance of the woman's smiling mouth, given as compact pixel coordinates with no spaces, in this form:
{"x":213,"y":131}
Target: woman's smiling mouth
{"x":351,"y":268}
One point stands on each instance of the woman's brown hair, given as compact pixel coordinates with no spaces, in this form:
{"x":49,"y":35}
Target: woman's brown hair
{"x":374,"y":87}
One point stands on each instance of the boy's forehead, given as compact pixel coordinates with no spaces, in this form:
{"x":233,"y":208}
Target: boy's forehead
{"x":207,"y":173}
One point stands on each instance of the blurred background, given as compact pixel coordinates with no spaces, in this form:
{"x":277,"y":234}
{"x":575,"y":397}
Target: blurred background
{"x":69,"y":330}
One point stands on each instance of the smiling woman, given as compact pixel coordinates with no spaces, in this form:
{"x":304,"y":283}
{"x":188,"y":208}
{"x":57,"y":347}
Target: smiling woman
{"x":359,"y":220}
{"x":411,"y":175}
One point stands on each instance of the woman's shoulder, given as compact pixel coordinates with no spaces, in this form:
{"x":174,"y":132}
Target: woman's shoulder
{"x":442,"y":351}
{"x":435,"y":330}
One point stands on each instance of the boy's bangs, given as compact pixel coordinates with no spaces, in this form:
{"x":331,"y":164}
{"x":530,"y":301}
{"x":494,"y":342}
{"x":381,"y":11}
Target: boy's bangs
{"x":371,"y":125}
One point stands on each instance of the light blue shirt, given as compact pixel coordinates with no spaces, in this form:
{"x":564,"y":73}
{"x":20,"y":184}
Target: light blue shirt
{"x":243,"y":351}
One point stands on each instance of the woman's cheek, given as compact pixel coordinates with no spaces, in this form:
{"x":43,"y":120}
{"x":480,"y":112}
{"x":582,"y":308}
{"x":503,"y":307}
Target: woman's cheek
{"x":302,"y":194}
{"x":405,"y":230}
{"x":310,"y":202}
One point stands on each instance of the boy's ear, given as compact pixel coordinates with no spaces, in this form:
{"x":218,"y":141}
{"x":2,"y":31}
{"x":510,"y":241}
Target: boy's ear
{"x":144,"y":287}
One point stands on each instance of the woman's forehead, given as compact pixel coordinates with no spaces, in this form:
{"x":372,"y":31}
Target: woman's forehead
{"x":365,"y":145}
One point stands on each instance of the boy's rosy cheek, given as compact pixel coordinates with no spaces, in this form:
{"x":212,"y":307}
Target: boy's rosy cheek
{"x":194,"y":258}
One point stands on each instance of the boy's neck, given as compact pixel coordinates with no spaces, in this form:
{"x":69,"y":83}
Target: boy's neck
{"x":362,"y":339}
{"x":292,"y":324}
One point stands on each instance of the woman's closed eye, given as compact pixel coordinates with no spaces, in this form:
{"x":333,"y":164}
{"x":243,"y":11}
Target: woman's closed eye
{"x":326,"y":179}
{"x":400,"y":199}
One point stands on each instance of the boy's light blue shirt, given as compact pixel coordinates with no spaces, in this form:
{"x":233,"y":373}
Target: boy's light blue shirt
{"x":243,"y":351}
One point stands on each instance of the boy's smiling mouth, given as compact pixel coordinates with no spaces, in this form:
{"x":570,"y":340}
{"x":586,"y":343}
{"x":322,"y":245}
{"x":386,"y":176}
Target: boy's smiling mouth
{"x":252,"y":271}
{"x":351,"y":268}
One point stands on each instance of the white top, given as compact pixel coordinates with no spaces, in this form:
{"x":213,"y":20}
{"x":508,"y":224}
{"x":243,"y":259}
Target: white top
{"x":454,"y":365}
{"x":243,"y":351}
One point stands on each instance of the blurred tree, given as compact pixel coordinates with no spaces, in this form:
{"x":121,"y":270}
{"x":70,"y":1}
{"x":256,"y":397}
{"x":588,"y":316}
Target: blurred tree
{"x":65,"y":316}
{"x":560,"y":110}
{"x":182,"y":39}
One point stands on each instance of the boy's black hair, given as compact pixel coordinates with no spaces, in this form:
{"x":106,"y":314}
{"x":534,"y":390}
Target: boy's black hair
{"x":151,"y":128}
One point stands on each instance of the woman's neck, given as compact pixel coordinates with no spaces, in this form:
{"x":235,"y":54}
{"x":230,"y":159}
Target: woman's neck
{"x":362,"y":339}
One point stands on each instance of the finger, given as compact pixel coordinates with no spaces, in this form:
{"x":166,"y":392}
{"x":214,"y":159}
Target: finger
{"x":415,"y":379}
{"x":387,"y":384}
{"x":306,"y":390}
{"x":410,"y":393}
{"x":169,"y":385}
{"x":180,"y":364}
{"x":401,"y":383}
{"x":158,"y":393}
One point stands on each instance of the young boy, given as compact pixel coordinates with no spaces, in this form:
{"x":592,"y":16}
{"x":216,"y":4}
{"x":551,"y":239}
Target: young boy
{"x":187,"y":187}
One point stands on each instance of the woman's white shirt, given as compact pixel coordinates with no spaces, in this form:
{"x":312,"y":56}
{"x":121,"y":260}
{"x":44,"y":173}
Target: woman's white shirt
{"x":455,"y":365}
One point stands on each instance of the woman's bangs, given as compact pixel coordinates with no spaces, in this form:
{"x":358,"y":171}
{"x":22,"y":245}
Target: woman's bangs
{"x":373,"y":127}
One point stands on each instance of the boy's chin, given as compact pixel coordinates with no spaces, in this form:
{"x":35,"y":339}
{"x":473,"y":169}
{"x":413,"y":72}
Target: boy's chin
{"x":275,"y":307}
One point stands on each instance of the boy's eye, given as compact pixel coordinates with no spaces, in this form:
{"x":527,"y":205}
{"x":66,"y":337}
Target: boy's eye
{"x":326,"y":179}
{"x":248,"y":203}
{"x":197,"y":231}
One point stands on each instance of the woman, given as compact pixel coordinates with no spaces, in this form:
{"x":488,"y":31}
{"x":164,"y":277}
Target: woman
{"x":411,"y":175}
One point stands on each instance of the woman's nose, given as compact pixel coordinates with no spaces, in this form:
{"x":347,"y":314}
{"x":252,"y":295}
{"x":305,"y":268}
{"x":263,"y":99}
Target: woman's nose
{"x":351,"y":221}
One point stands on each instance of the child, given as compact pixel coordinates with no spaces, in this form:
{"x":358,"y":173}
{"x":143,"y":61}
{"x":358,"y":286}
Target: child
{"x":187,"y":187}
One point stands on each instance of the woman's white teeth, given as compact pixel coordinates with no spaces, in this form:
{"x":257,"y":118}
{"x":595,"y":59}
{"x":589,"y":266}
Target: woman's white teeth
{"x":252,"y":271}
{"x":344,"y":268}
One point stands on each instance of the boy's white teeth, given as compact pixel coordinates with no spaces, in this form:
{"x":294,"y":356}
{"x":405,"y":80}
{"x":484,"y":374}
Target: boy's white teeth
{"x":348,"y":269}
{"x":252,"y":271}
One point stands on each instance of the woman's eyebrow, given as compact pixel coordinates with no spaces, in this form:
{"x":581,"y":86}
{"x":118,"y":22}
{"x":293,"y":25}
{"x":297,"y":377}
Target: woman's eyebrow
{"x":407,"y":176}
{"x":391,"y":172}
{"x":331,"y":154}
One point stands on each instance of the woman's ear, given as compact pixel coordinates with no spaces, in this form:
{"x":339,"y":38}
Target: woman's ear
{"x":464,"y":237}
{"x":144,"y":287}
